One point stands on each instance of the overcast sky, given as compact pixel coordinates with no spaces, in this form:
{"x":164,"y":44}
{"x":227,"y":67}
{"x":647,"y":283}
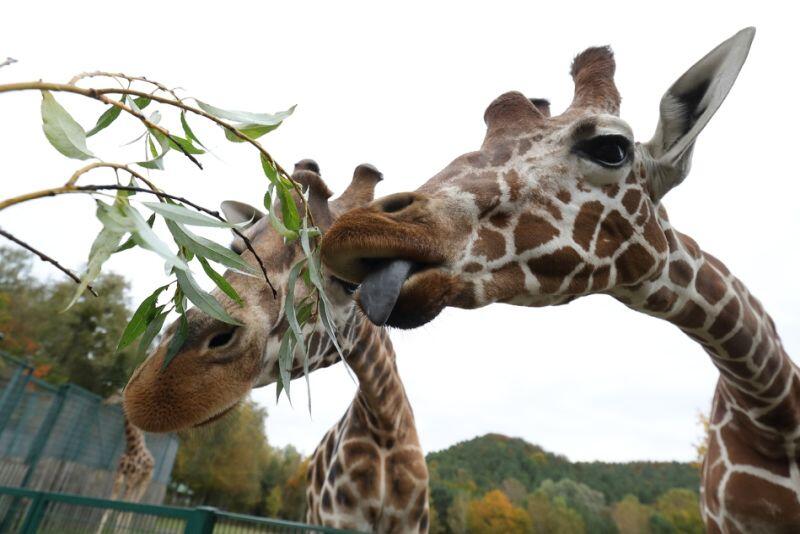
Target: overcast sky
{"x":405,"y":88}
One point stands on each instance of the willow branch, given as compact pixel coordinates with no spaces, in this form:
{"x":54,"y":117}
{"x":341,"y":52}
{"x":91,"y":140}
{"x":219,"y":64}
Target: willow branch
{"x":102,"y":164}
{"x":119,"y":75}
{"x":99,"y":94}
{"x":8,"y":61}
{"x":44,"y":257}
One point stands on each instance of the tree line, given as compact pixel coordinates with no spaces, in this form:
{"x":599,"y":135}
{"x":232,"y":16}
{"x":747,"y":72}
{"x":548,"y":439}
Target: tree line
{"x":488,"y":484}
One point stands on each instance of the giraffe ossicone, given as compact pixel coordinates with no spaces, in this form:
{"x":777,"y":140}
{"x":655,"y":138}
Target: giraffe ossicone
{"x":552,"y":208}
{"x":368,"y":473}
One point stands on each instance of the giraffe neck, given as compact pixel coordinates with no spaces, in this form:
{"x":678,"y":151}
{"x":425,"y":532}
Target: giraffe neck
{"x":134,"y":439}
{"x":369,"y":353}
{"x":697,"y":293}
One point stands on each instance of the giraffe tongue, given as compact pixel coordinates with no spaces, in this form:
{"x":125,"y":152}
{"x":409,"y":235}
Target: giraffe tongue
{"x":380,"y":289}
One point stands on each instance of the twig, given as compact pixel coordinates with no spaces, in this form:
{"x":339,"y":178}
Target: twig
{"x":69,"y":189}
{"x":8,"y":61}
{"x":99,"y":94}
{"x":46,"y":258}
{"x":113,"y":75}
{"x":212,"y":213}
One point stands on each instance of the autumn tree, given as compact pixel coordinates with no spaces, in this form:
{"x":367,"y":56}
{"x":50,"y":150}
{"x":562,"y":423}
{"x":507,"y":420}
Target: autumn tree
{"x":494,"y":513}
{"x":631,"y":516}
{"x":590,"y":504}
{"x":553,"y":516}
{"x":680,"y":508}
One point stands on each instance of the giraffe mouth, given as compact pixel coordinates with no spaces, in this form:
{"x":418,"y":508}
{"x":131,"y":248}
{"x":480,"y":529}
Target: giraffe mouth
{"x":217,"y":416}
{"x":381,"y":288}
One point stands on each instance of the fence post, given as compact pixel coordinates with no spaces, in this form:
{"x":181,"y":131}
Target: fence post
{"x":13,"y":393}
{"x":40,"y":440}
{"x":201,"y":521}
{"x":34,"y":514}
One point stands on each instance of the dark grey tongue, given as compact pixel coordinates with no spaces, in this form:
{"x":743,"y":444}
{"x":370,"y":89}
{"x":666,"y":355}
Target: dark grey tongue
{"x":379,"y":290}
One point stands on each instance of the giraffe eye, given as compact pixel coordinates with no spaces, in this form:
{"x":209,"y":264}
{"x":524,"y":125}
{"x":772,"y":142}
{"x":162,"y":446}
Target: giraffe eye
{"x":607,"y":150}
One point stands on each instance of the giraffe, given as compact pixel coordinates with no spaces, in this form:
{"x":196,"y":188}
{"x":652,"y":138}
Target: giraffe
{"x":369,"y":472}
{"x":552,"y":208}
{"x":134,"y":468}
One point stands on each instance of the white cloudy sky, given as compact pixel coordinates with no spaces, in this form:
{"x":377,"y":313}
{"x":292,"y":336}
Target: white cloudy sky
{"x":404,"y":88}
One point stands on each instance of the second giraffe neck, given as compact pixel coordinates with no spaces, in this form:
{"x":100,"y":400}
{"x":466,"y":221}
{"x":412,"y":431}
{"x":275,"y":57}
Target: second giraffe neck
{"x":698,"y":294}
{"x":380,"y":391}
{"x":134,"y":438}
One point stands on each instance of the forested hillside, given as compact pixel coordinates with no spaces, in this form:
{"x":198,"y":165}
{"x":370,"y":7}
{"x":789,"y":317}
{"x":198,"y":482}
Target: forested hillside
{"x":497,"y":482}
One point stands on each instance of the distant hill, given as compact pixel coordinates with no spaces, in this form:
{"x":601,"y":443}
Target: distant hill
{"x":489,"y":460}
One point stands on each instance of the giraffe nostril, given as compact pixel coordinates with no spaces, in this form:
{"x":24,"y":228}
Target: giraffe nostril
{"x":222,"y":339}
{"x":398,"y":202}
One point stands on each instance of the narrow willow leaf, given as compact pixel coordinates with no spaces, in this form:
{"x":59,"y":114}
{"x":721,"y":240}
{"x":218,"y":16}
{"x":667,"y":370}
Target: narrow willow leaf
{"x":316,"y":280}
{"x":276,"y":223}
{"x":141,"y":318}
{"x":289,"y":304}
{"x":208,"y":249}
{"x":139,"y":103}
{"x":182,"y":214}
{"x":289,"y":213}
{"x":187,"y":131}
{"x":156,"y":323}
{"x":104,"y":245}
{"x":269,"y":170}
{"x":177,"y":341}
{"x":220,"y":281}
{"x":262,"y":119}
{"x":63,"y":132}
{"x":145,"y":237}
{"x":285,"y":359}
{"x":253,"y":131}
{"x":179,"y":143}
{"x":154,"y":164}
{"x":105,"y":120}
{"x":203,"y":300}
{"x":130,"y":243}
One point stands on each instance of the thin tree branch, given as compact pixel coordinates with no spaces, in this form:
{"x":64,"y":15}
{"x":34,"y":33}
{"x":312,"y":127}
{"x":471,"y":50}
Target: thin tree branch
{"x":46,"y":258}
{"x":8,"y":61}
{"x":99,"y":94}
{"x":119,"y":75}
{"x":71,"y":189}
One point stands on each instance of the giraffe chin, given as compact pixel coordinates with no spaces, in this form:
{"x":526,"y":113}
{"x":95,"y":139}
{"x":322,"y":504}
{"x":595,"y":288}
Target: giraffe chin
{"x":217,"y":416}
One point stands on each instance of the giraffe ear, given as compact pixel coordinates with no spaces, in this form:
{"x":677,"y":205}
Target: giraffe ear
{"x":240,"y":213}
{"x":688,"y":105}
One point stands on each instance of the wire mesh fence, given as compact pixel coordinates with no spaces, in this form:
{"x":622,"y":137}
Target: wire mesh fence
{"x":64,"y":439}
{"x":37,"y":512}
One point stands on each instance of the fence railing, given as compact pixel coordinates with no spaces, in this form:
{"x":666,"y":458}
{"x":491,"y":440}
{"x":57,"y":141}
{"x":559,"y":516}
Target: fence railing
{"x":37,"y":512}
{"x":64,"y":439}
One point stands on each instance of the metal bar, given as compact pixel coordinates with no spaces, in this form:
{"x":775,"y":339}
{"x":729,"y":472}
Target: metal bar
{"x":34,"y":515}
{"x":39,"y":442}
{"x":202,"y":521}
{"x":13,"y":393}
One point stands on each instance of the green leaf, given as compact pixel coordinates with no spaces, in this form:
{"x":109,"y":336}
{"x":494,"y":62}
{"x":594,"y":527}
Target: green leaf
{"x":276,"y":223}
{"x":130,"y":242}
{"x":155,"y":163}
{"x":285,"y":359}
{"x":253,"y":131}
{"x":141,"y":318}
{"x":178,"y":339}
{"x":220,"y":281}
{"x":138,"y":103}
{"x":289,"y":213}
{"x":208,"y":249}
{"x":270,"y":171}
{"x":188,"y":131}
{"x":262,"y":119}
{"x":156,"y":323}
{"x":105,"y":120}
{"x":63,"y":132}
{"x":203,"y":300}
{"x":179,"y":143}
{"x":289,"y":307}
{"x":145,"y":237}
{"x":182,"y":214}
{"x":104,"y":245}
{"x":316,"y":279}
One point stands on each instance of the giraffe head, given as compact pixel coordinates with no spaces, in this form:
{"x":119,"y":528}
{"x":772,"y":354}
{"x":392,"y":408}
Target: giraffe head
{"x":218,"y":363}
{"x":550,"y":208}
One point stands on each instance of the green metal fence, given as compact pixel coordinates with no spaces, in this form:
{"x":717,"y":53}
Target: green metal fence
{"x":64,"y":439}
{"x":37,"y":512}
